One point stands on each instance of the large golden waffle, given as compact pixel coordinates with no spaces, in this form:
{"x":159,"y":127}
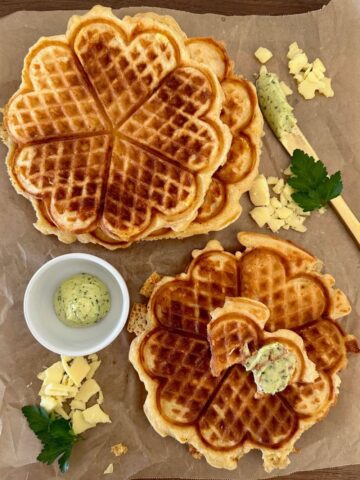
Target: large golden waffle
{"x":114,"y":132}
{"x":222,"y":417}
{"x":241,"y":113}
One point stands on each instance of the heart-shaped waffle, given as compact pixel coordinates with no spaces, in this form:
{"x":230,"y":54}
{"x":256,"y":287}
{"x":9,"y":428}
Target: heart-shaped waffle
{"x":143,"y":117}
{"x":223,"y":417}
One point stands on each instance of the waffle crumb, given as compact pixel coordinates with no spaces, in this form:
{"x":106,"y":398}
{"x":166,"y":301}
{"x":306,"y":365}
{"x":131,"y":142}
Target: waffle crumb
{"x":195,"y":453}
{"x":137,"y":320}
{"x":119,"y":449}
{"x":150,"y":284}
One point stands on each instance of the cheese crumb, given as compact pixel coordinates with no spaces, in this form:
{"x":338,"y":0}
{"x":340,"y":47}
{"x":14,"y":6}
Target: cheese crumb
{"x":95,"y":415}
{"x":263,"y":54}
{"x":109,"y":469}
{"x":119,"y":449}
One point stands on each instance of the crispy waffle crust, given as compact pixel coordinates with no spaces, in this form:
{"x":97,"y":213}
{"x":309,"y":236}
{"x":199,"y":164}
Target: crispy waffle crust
{"x":241,"y":113}
{"x":222,"y":417}
{"x":115,"y":131}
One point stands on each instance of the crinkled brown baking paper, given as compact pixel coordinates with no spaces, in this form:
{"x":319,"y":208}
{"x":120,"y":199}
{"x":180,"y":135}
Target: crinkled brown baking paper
{"x":332,"y":126}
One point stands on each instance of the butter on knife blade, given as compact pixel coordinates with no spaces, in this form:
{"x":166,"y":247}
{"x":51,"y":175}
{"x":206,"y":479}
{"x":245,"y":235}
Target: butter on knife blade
{"x":279,"y":115}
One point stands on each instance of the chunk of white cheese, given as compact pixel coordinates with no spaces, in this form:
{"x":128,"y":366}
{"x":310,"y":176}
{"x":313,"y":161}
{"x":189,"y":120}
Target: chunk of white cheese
{"x":55,"y":389}
{"x":283,"y":212}
{"x":297,"y":63}
{"x":49,"y":403}
{"x":286,"y":89}
{"x":60,"y":411}
{"x":78,"y":370}
{"x":109,"y":469}
{"x":275,"y":224}
{"x":259,"y":192}
{"x":53,"y":374}
{"x":100,"y":399}
{"x":93,"y":367}
{"x":279,"y":186}
{"x":326,"y":88}
{"x":95,"y":415}
{"x":87,"y":390}
{"x":77,"y":405}
{"x":263,"y":54}
{"x":79,"y":424}
{"x":261,"y":215}
{"x":293,"y":50}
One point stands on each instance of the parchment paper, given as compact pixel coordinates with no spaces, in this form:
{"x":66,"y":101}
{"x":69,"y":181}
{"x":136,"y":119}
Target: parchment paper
{"x":331,"y":125}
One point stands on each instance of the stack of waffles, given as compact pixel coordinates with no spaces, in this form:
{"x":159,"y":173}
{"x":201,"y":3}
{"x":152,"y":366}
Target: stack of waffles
{"x":189,"y":355}
{"x":124,"y":130}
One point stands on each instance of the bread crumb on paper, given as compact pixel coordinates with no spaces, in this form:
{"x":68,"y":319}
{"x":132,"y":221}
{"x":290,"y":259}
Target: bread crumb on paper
{"x":150,"y":284}
{"x":119,"y":449}
{"x":137,"y":322}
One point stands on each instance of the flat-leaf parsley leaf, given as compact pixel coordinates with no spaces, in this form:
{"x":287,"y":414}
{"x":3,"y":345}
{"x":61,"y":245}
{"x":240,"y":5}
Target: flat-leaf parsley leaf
{"x":55,"y":433}
{"x":313,"y":187}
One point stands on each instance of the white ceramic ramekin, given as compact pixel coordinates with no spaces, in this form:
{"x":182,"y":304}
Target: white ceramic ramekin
{"x":49,"y":330}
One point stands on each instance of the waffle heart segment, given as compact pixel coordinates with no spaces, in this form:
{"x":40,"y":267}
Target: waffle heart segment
{"x":68,"y":177}
{"x":224,"y":416}
{"x":55,"y":101}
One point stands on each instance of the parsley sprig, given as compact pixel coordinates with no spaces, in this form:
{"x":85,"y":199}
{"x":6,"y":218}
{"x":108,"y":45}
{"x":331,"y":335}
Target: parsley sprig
{"x":55,"y":433}
{"x":314,"y":188}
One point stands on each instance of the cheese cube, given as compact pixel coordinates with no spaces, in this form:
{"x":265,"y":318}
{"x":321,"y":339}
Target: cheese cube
{"x":78,"y":369}
{"x":100,"y":398}
{"x":283,"y":212}
{"x":279,"y":186}
{"x":93,"y":367}
{"x":259,"y":192}
{"x":274,"y":202}
{"x":49,"y":403}
{"x":299,"y":77}
{"x":263,"y":54}
{"x":95,"y":415}
{"x":260,"y":215}
{"x":287,"y":171}
{"x":285,"y":88}
{"x":60,"y":411}
{"x":79,"y":424}
{"x":297,"y":63}
{"x":272,"y":180}
{"x":77,"y":405}
{"x":275,"y":224}
{"x":109,"y":469}
{"x":307,"y":89}
{"x":87,"y":390}
{"x":55,"y":389}
{"x":93,"y":357}
{"x":293,"y":50}
{"x":325,"y":88}
{"x":318,"y":65}
{"x":53,"y":374}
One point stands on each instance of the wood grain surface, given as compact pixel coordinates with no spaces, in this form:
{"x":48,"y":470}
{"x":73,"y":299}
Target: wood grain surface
{"x":224,"y":7}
